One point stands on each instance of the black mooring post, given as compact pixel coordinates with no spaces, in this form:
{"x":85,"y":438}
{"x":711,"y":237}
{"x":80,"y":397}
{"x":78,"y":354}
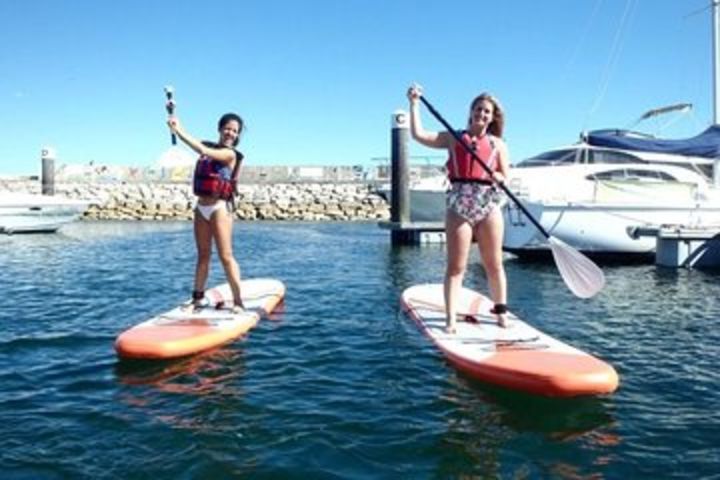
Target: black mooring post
{"x":48,"y":171}
{"x":400,"y":194}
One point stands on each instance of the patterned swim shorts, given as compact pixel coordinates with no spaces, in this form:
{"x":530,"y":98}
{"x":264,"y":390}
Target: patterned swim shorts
{"x":474,"y":201}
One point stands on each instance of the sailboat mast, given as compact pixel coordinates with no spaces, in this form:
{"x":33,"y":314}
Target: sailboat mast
{"x":716,"y":80}
{"x":716,"y":64}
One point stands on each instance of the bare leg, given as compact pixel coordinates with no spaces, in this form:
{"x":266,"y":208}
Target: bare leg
{"x":203,"y":244}
{"x":458,"y":239}
{"x":222,"y":222}
{"x":489,"y":235}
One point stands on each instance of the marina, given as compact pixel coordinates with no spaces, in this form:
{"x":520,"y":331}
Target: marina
{"x":338,"y":383}
{"x":592,"y":194}
{"x":318,"y":345}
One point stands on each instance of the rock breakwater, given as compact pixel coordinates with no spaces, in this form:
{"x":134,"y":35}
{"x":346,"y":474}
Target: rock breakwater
{"x":170,"y":201}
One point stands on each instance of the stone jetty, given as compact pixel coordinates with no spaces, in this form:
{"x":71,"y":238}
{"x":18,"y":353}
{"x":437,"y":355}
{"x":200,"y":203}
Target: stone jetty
{"x":174,"y":201}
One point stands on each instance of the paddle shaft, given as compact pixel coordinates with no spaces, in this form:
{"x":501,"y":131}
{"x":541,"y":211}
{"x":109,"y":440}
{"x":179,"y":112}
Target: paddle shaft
{"x":467,"y":147}
{"x":170,"y":107}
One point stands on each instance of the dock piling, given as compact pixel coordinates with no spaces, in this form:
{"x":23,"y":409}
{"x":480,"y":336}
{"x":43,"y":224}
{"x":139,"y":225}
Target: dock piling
{"x":400,"y":196}
{"x":402,"y":229}
{"x":47,"y":156}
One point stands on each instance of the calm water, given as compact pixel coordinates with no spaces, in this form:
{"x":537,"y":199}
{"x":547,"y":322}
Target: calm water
{"x":339,"y":384}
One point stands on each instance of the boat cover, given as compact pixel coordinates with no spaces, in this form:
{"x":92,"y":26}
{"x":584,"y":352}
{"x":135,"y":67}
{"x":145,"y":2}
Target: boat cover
{"x":706,"y":144}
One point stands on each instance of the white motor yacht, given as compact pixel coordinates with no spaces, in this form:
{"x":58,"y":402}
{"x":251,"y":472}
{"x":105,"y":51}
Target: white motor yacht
{"x":595,"y":194}
{"x":31,"y":213}
{"x":427,"y":198}
{"x":426,"y":186}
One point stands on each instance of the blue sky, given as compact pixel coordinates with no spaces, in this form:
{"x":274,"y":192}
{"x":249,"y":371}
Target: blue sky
{"x":318,"y":80}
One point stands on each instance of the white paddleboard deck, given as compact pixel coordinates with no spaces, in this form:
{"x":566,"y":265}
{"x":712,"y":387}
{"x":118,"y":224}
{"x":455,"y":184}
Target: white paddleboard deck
{"x":185,"y":330}
{"x":518,"y":356}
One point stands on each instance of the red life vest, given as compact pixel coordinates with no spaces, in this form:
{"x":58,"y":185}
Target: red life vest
{"x":215,"y":179}
{"x":462,"y":166}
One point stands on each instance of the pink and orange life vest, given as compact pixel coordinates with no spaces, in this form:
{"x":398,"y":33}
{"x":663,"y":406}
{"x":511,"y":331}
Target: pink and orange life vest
{"x":215,"y":179}
{"x":461,"y":166}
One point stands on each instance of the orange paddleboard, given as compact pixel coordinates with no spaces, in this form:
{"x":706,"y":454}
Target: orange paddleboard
{"x":178,"y":332}
{"x":518,"y":357}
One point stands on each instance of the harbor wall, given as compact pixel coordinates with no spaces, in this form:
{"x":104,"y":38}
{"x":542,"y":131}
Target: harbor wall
{"x":306,"y":201}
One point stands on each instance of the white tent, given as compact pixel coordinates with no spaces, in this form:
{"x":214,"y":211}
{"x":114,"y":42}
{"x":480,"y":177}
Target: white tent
{"x":175,"y":157}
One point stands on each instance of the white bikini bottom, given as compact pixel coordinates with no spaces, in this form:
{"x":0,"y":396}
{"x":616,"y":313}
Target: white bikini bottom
{"x":207,"y":210}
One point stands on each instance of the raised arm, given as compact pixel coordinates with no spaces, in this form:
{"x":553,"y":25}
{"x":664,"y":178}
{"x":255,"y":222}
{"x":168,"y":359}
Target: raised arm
{"x":425,"y":137}
{"x":223,"y":154}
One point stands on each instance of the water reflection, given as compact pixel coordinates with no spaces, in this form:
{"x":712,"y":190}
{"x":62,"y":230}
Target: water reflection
{"x":188,"y":392}
{"x":485,"y":421}
{"x":210,"y":372}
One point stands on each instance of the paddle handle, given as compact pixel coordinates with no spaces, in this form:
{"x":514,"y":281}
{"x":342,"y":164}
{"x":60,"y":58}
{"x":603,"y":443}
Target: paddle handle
{"x":170,"y":107}
{"x":467,"y":147}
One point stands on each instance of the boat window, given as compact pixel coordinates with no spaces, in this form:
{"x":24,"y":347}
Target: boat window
{"x":648,"y":175}
{"x":553,"y":157}
{"x":704,"y":170}
{"x":632,"y":174}
{"x":610,"y":156}
{"x":608,"y":175}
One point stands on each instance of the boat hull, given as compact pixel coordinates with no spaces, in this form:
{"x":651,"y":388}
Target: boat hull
{"x":427,"y":206}
{"x":26,"y":213}
{"x":596,"y":229}
{"x":426,"y":197}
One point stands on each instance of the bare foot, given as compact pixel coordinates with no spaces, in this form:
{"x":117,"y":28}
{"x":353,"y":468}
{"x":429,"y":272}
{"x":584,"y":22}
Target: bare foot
{"x":192,"y":306}
{"x":500,"y":311}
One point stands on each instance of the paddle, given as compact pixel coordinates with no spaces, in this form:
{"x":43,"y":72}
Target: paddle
{"x":174,"y":161}
{"x":580,"y":274}
{"x":170,"y":107}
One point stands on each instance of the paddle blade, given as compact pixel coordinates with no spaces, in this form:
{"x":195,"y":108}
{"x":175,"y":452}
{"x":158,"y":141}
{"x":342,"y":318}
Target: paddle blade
{"x":581,"y":275}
